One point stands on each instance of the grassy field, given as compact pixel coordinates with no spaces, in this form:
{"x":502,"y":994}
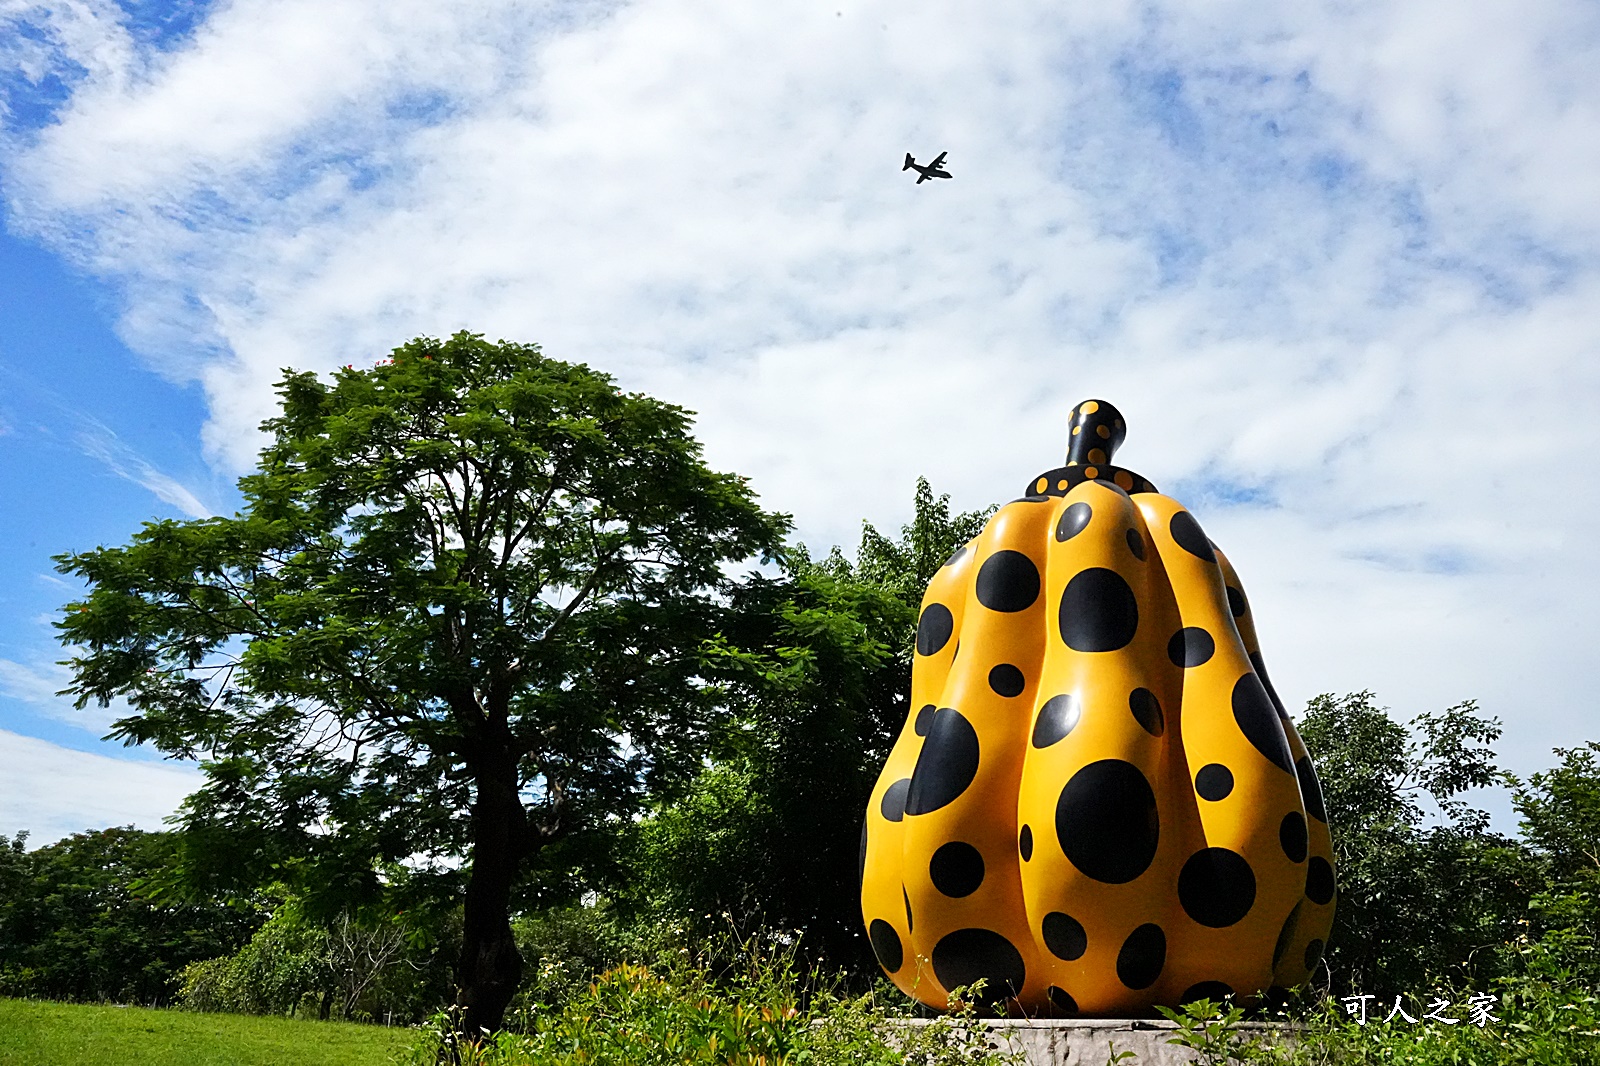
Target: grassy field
{"x":63,"y":1034}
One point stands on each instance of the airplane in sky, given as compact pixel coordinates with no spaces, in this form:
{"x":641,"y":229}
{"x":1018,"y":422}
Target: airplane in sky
{"x":934,"y":169}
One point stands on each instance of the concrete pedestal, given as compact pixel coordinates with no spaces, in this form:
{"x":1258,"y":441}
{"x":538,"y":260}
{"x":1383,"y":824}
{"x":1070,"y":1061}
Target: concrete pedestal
{"x":1087,"y":1042}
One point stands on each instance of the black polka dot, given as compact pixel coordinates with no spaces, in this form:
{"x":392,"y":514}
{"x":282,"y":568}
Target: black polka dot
{"x":1310,"y":789}
{"x":1286,"y":934}
{"x":1064,"y":935}
{"x":886,"y":944}
{"x":1025,"y":843}
{"x":1136,"y":544}
{"x":956,"y":869}
{"x":1191,"y":646}
{"x":1113,"y":486}
{"x":1147,"y":711}
{"x":1216,"y":887}
{"x":1252,"y":710}
{"x":934,"y":628}
{"x":893,"y":804}
{"x":1058,"y":717}
{"x":1143,"y":955}
{"x":911,"y":927}
{"x":1106,"y":821}
{"x":964,"y":956}
{"x":1236,"y":602}
{"x":1215,"y":991}
{"x":1098,"y":611}
{"x":947,"y":763}
{"x":1313,"y":953}
{"x":924,"y":719}
{"x":1062,"y":1000}
{"x":956,"y":555}
{"x":1292,"y":835}
{"x":1008,"y":582}
{"x":1186,"y":531}
{"x":1006,"y":680}
{"x":861,"y":871}
{"x":1319,"y":881}
{"x":1213,"y":782}
{"x":1266,"y":683}
{"x":1073,"y":519}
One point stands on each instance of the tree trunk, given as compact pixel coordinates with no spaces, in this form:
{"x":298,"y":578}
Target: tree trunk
{"x":491,"y":967}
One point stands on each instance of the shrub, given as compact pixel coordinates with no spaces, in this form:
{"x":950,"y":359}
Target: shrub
{"x":1545,"y":1013}
{"x":690,"y":1008}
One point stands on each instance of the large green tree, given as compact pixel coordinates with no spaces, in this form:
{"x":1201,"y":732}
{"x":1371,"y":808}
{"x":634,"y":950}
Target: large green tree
{"x":462,"y":615}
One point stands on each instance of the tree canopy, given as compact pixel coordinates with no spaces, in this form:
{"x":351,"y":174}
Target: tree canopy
{"x":1405,"y":872}
{"x":769,"y":833}
{"x":463,"y":614}
{"x":74,"y":925}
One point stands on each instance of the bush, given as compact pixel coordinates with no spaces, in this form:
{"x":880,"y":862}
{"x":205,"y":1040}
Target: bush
{"x":286,"y":961}
{"x":293,"y":964}
{"x":695,"y":1008}
{"x":1544,"y":1013}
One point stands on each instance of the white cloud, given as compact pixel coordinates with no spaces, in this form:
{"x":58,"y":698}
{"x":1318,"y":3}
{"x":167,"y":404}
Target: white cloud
{"x":52,"y":791}
{"x":38,"y":38}
{"x":1345,"y":255}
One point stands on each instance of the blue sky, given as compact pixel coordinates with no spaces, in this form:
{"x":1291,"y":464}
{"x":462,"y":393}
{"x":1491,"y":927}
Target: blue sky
{"x":85,"y":432}
{"x":1338,"y":264}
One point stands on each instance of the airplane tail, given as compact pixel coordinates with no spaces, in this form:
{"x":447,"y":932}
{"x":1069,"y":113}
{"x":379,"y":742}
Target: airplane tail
{"x":909,"y":162}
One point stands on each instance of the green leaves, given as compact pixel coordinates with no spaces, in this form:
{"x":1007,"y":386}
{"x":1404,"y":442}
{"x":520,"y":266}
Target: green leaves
{"x":1421,"y":898}
{"x":77,"y":922}
{"x":819,"y":666}
{"x":1560,"y":810}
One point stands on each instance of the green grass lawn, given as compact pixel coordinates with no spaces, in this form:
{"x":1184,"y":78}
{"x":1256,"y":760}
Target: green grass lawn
{"x":65,"y":1034}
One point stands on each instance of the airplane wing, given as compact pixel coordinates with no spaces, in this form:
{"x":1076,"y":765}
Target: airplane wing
{"x":924,"y":175}
{"x":937,"y":163}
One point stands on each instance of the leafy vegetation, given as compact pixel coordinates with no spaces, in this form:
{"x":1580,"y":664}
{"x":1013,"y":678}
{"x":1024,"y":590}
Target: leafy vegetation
{"x":348,"y":967}
{"x":1423,"y":896}
{"x":769,"y":834}
{"x":1544,"y":1013}
{"x":74,"y":925}
{"x":725,"y":1001}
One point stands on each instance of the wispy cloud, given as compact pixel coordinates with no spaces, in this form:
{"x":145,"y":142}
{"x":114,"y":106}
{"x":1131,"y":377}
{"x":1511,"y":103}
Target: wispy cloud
{"x":98,"y":442}
{"x":36,"y":685}
{"x":93,"y":438}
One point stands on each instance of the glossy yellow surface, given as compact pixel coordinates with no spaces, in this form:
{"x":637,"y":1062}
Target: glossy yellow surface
{"x":1042,"y":822}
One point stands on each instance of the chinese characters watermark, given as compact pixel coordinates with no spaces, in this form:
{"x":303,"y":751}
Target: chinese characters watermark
{"x":1479,"y":1010}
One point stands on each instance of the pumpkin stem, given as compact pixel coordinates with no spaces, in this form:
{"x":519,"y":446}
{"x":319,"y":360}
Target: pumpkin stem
{"x":1097,"y":430}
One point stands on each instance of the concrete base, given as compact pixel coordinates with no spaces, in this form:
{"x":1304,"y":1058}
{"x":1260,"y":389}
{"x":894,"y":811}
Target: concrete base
{"x":1087,"y":1041}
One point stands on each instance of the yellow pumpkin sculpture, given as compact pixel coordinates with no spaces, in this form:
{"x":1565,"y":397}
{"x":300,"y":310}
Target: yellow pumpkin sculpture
{"x":1098,"y":803}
